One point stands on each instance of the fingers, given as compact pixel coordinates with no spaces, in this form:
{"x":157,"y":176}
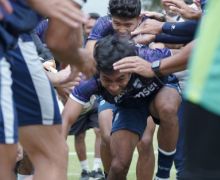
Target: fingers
{"x":175,"y":9}
{"x":70,"y":15}
{"x":123,"y":62}
{"x":172,"y":3}
{"x":138,"y":30}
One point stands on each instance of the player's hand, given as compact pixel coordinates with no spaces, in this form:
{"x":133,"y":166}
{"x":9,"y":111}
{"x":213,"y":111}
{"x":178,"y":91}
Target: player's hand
{"x":5,"y":4}
{"x":149,"y":26}
{"x":87,"y":65}
{"x":68,"y":77}
{"x":154,"y":15}
{"x":180,"y":7}
{"x":134,"y":64}
{"x":64,"y":11}
{"x":144,"y":38}
{"x":50,"y":65}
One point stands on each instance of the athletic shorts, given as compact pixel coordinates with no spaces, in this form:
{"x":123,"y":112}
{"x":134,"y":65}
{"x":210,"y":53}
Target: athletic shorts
{"x":8,"y":118}
{"x":104,"y":105}
{"x":33,"y":95}
{"x":85,"y":122}
{"x":131,"y":119}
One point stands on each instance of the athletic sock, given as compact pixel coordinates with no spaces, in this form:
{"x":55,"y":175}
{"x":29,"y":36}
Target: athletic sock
{"x":84,"y":165}
{"x":165,"y":162}
{"x":97,"y":164}
{"x":22,"y":177}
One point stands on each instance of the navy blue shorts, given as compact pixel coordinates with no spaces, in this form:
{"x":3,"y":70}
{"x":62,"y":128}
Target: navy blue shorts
{"x":104,"y":105}
{"x":8,"y":118}
{"x":34,"y":98}
{"x":131,"y":119}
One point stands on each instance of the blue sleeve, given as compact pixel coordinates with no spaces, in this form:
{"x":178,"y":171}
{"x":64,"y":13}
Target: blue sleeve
{"x":203,"y":4}
{"x":41,"y":28}
{"x":102,"y":28}
{"x":85,"y":90}
{"x":153,"y":54}
{"x":166,"y":38}
{"x":187,"y":28}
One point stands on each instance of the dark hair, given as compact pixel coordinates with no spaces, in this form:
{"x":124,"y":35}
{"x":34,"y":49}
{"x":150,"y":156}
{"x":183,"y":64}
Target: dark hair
{"x":125,"y":8}
{"x":94,"y":15}
{"x":111,"y":49}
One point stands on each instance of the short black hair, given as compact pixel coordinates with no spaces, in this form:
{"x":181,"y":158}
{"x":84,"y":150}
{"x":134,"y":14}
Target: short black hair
{"x":94,"y":15}
{"x":125,"y":8}
{"x":111,"y":49}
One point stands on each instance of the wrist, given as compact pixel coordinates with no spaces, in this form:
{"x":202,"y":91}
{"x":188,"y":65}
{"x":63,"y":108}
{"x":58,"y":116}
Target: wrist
{"x":155,"y":66}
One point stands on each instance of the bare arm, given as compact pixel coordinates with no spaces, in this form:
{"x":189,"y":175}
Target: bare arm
{"x":178,"y":62}
{"x":6,"y":6}
{"x":70,"y":114}
{"x":65,"y":43}
{"x":90,"y":46}
{"x":175,"y":63}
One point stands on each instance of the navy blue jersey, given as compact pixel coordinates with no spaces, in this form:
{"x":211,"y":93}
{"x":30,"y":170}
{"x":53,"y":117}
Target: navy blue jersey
{"x":139,"y":90}
{"x":22,"y":20}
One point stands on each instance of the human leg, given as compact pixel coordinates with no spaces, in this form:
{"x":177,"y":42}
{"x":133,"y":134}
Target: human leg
{"x":105,"y":116}
{"x":39,"y":142}
{"x":127,"y":129}
{"x":165,"y":106}
{"x":146,"y":159}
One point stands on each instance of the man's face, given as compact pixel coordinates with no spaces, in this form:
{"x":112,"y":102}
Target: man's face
{"x":89,"y":25}
{"x":114,"y":82}
{"x":125,"y":26}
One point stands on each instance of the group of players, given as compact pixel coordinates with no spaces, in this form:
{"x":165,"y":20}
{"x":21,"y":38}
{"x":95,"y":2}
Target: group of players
{"x":134,"y":88}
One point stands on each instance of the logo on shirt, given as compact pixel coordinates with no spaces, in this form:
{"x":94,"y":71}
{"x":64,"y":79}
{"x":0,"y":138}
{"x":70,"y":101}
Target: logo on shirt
{"x":146,"y":91}
{"x":173,"y":27}
{"x":137,"y":84}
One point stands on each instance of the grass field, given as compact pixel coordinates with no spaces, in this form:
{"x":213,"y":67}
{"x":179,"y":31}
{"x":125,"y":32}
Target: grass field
{"x":74,"y":169}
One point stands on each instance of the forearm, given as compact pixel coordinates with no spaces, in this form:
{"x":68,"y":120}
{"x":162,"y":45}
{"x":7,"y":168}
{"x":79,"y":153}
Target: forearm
{"x":64,"y":42}
{"x":177,"y":62}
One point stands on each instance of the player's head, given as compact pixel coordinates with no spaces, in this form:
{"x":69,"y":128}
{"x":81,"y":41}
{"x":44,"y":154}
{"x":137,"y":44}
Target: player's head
{"x":109,"y":50}
{"x":90,"y":23}
{"x":125,"y":15}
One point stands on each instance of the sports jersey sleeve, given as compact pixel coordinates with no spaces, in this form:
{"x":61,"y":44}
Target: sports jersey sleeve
{"x":41,"y":28}
{"x":102,"y":28}
{"x":84,"y":91}
{"x":186,"y":28}
{"x":153,"y":54}
{"x":172,"y":39}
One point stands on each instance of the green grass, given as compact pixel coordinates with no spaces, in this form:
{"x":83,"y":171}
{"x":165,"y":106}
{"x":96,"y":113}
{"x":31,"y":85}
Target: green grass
{"x":74,"y":169}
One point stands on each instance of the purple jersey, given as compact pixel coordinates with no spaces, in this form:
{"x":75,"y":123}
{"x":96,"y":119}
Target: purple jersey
{"x":103,"y":27}
{"x":41,"y":29}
